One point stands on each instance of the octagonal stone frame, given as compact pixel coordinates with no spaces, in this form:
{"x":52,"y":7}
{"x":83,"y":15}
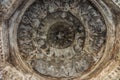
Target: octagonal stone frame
{"x":11,"y":51}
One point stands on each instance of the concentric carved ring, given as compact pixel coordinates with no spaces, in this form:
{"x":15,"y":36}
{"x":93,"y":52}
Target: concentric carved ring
{"x":61,"y":40}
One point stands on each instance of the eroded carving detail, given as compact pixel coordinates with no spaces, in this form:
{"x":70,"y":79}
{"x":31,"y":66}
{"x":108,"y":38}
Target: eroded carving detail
{"x":70,"y":47}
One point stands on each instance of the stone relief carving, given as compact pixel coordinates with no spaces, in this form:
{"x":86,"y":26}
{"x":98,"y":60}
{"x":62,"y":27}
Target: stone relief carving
{"x":60,"y":40}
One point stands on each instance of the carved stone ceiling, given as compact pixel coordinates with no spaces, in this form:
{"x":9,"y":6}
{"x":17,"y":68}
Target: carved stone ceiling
{"x":60,"y":39}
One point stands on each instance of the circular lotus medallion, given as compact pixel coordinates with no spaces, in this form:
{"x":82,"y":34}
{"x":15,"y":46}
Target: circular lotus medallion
{"x":61,"y":38}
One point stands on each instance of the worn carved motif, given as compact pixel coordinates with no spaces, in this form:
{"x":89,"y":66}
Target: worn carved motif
{"x":60,"y":39}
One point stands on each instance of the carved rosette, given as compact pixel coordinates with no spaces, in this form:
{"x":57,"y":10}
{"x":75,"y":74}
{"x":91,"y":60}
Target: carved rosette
{"x":54,"y":39}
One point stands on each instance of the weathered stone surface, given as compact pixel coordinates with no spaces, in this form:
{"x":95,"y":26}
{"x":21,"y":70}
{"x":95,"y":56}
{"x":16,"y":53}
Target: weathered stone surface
{"x":60,"y":40}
